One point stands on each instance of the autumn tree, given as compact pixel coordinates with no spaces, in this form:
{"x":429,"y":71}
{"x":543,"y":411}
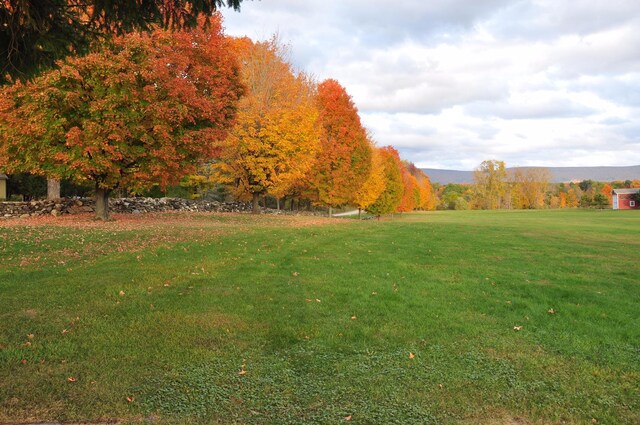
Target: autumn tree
{"x":138,"y":113}
{"x":530,"y":186}
{"x":424,"y":198}
{"x":562,"y":200}
{"x":490,"y":181}
{"x":607,"y":190}
{"x":275,"y":139}
{"x":573,"y":197}
{"x":344,"y":160}
{"x":35,"y":33}
{"x":390,"y":198}
{"x":375,"y":184}
{"x":410,"y":193}
{"x":428,"y":199}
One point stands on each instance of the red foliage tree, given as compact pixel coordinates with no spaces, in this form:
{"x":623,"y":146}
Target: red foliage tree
{"x":138,"y":113}
{"x":344,"y":161}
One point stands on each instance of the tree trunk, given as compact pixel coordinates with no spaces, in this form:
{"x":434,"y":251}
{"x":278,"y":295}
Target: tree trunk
{"x":102,"y":204}
{"x":256,"y":204}
{"x":330,"y":211}
{"x":278,"y":204}
{"x":359,"y":213}
{"x":53,"y":189}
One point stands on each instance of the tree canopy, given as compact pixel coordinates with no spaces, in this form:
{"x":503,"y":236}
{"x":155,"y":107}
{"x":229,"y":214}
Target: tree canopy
{"x":275,"y":140}
{"x":490,"y":178}
{"x":391,"y":196}
{"x":138,"y":113}
{"x":344,"y":160}
{"x":36,"y":33}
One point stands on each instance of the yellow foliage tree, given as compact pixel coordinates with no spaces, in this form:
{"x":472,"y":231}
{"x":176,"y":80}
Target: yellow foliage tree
{"x":375,"y":184}
{"x":490,"y":184}
{"x":530,"y":187}
{"x":276,"y":136}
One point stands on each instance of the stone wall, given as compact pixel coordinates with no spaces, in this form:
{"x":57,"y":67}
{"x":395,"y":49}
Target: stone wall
{"x":118,"y":205}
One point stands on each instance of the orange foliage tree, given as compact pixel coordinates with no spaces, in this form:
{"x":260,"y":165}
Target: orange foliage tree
{"x":344,"y":160}
{"x":607,"y":190}
{"x":138,"y":113}
{"x":411,"y":192}
{"x":563,"y":199}
{"x":424,"y":198}
{"x":276,"y":136}
{"x":428,"y":199}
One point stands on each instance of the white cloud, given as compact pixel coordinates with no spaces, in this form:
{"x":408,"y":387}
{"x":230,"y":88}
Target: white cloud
{"x":453,"y":82}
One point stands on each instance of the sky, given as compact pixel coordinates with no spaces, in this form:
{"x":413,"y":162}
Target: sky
{"x":451,"y":83}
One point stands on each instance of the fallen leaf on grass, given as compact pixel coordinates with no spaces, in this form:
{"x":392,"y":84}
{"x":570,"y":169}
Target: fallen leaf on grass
{"x":353,"y":317}
{"x":122,"y":293}
{"x":72,"y":379}
{"x":23,"y":361}
{"x":130,"y":399}
{"x":517,"y":328}
{"x":27,"y":344}
{"x":347,"y":418}
{"x":65,"y":331}
{"x":411,"y":356}
{"x":317,"y":300}
{"x":295,"y":274}
{"x":242,"y":372}
{"x":30,"y":336}
{"x":551,"y":311}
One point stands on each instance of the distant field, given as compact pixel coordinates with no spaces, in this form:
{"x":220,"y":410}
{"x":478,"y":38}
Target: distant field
{"x":523,"y":317}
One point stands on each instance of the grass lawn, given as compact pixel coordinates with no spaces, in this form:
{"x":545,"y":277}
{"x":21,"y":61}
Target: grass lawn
{"x":520,"y":317}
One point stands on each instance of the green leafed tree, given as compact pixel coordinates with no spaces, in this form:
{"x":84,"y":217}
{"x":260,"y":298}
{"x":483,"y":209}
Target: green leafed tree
{"x":491,"y":186}
{"x":139,"y":113}
{"x":36,"y":33}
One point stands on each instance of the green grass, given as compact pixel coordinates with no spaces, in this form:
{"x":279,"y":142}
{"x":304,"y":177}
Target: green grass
{"x":323,"y":319}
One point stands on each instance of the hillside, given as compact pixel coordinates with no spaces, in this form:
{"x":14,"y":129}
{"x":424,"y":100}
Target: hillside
{"x":559,"y":174}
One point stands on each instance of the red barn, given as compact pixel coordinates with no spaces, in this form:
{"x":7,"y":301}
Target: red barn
{"x":625,"y":199}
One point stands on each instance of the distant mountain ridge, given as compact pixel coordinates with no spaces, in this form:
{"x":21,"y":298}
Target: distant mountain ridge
{"x":558,"y":174}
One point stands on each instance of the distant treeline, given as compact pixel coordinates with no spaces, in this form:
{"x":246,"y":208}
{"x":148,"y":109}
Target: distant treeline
{"x":496,"y":187}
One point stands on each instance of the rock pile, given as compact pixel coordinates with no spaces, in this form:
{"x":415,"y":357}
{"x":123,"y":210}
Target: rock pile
{"x":39,"y":208}
{"x":146,"y":205}
{"x":118,"y":205}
